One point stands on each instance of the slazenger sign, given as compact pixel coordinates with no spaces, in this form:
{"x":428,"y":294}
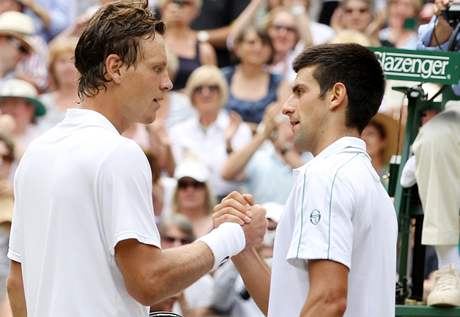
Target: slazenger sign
{"x":423,"y":66}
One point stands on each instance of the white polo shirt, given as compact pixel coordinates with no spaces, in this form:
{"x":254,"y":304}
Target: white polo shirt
{"x":338,"y":210}
{"x":80,"y":188}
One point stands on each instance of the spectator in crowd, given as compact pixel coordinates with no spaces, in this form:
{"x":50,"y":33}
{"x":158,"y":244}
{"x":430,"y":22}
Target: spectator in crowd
{"x":16,"y":30}
{"x":213,"y":133}
{"x":251,"y":86}
{"x":192,"y":196}
{"x":20,"y":99}
{"x":359,"y":16}
{"x":214,"y":23}
{"x":402,"y":19}
{"x":437,"y":171}
{"x":64,"y":81}
{"x":290,"y":29}
{"x":381,"y":137}
{"x":271,"y":149}
{"x":176,"y":231}
{"x":183,"y":41}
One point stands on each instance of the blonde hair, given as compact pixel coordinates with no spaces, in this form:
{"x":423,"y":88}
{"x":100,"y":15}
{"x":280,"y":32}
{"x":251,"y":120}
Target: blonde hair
{"x":350,"y":36}
{"x":56,"y":49}
{"x":268,"y":21}
{"x":207,"y":75}
{"x":208,"y":204}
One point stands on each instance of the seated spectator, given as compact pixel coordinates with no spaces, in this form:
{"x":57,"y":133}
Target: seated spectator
{"x":19,"y":99}
{"x":192,"y":196}
{"x":358,"y":16}
{"x":381,"y":137}
{"x":177,"y":231}
{"x":64,"y":81}
{"x":271,"y":149}
{"x":402,"y":24}
{"x":213,"y":133}
{"x":252,"y":86}
{"x":183,"y":41}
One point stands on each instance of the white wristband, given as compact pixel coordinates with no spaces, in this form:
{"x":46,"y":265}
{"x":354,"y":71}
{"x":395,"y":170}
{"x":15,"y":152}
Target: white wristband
{"x":225,"y":241}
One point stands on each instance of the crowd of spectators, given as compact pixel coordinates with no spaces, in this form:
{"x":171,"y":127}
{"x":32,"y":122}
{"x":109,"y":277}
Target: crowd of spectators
{"x":220,"y":129}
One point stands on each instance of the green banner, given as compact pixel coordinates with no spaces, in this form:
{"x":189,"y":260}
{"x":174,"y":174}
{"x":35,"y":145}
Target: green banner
{"x":422,"y":66}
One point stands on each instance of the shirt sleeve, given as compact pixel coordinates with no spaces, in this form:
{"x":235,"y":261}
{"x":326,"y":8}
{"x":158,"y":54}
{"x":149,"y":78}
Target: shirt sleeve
{"x":323,"y":227}
{"x":124,"y":189}
{"x":16,"y":243}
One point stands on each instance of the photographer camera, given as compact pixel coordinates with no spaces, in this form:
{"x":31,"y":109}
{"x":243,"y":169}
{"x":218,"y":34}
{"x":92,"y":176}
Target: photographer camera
{"x":437,"y":168}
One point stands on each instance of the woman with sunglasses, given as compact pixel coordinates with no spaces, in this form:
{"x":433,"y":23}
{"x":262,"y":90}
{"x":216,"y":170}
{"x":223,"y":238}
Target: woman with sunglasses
{"x":184,"y":42}
{"x":213,"y":133}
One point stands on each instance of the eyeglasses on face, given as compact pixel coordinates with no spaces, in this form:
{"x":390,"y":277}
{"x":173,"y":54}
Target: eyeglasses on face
{"x":186,"y":183}
{"x":211,"y":88}
{"x":281,"y":27}
{"x":18,"y":44}
{"x":172,"y":239}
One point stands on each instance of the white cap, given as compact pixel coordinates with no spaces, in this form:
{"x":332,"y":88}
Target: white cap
{"x":274,"y":211}
{"x":193,"y":169}
{"x":19,"y":25}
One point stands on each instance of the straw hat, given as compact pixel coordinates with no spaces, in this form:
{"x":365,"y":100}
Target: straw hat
{"x":18,"y":25}
{"x":391,"y":127}
{"x":17,"y":88}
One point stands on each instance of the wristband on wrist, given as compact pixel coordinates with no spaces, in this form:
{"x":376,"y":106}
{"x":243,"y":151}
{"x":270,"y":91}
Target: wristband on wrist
{"x":225,"y":241}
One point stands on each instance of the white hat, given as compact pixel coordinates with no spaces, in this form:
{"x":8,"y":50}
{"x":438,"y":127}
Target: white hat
{"x":17,"y":88}
{"x":193,"y":169}
{"x":274,"y":211}
{"x":19,"y":25}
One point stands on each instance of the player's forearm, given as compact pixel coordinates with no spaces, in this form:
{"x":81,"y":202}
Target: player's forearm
{"x":177,"y":269}
{"x":256,"y":276}
{"x":16,"y":295}
{"x":441,"y":33}
{"x":236,"y":162}
{"x":324,"y":306}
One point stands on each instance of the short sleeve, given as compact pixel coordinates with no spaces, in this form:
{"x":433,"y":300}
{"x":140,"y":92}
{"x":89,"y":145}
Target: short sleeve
{"x":124,"y":190}
{"x":323,"y":227}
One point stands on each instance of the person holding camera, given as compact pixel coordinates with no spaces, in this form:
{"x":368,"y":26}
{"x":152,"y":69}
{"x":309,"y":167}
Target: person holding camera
{"x":437,"y":171}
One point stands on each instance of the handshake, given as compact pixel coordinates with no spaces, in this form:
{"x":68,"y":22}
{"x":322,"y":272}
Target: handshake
{"x":240,"y":208}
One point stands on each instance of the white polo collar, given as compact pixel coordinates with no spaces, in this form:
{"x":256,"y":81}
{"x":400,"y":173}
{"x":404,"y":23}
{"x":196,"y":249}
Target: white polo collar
{"x":88,"y":117}
{"x":345,"y":144}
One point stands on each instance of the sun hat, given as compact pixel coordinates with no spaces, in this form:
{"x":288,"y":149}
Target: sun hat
{"x":18,"y":25}
{"x":17,"y":88}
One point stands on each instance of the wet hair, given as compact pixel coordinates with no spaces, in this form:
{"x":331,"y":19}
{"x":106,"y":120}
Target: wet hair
{"x":116,"y":28}
{"x":354,"y":66}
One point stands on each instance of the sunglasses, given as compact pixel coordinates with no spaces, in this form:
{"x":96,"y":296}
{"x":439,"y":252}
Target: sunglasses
{"x":360,"y":10}
{"x":287,"y":28}
{"x":171,"y":239}
{"x":211,"y":88}
{"x":186,"y":183}
{"x":183,"y":3}
{"x":21,"y":47}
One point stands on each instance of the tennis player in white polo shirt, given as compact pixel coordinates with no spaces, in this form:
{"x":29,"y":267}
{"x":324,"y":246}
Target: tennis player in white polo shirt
{"x":83,"y":240}
{"x":335,"y":245}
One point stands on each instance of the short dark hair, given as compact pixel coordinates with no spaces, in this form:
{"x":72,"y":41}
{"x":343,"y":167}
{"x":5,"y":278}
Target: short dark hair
{"x":354,"y":66}
{"x":116,"y":28}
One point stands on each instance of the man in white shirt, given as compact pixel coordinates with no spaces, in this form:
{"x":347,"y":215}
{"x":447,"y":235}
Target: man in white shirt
{"x":335,"y":245}
{"x":83,"y":238}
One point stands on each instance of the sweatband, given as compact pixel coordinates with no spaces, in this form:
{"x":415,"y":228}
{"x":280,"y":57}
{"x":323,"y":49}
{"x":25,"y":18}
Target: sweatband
{"x":225,"y":241}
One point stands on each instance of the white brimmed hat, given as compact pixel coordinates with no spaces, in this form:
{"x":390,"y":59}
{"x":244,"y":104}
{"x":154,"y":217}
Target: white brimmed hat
{"x":193,"y":169}
{"x":18,"y":25}
{"x":17,"y":88}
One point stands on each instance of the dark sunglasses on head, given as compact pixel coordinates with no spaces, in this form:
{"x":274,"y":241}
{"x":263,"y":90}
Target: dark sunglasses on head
{"x":172,"y":239}
{"x":182,"y":3}
{"x":287,"y":28}
{"x":186,"y":183}
{"x":211,"y":88}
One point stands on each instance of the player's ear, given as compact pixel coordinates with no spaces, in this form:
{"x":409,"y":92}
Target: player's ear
{"x":337,"y":96}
